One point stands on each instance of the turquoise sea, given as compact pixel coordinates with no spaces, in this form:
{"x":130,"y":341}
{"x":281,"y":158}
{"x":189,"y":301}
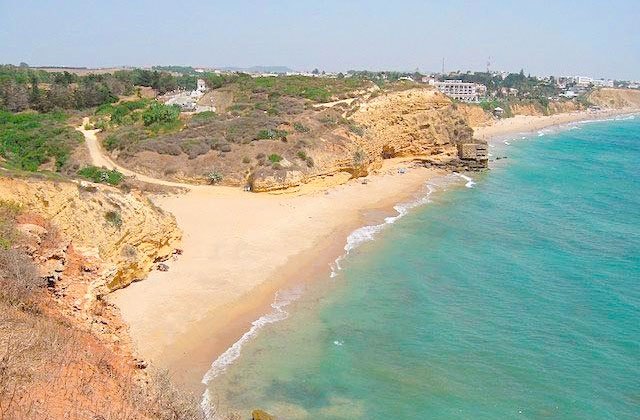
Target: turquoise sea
{"x":516,"y":298}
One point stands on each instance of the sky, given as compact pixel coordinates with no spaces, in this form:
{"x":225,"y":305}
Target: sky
{"x":562,"y":37}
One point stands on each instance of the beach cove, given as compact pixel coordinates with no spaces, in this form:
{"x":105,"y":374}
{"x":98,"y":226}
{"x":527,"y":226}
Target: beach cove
{"x":528,"y":311}
{"x":240,"y":249}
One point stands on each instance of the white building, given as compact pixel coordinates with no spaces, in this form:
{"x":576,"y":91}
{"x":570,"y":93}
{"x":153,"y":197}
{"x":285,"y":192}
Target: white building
{"x":602,"y":83}
{"x":201,"y":85}
{"x":583,"y":81}
{"x":459,"y":90}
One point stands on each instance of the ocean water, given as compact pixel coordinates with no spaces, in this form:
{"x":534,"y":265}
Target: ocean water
{"x":518,"y":297}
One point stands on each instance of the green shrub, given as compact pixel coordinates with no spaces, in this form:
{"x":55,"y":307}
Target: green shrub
{"x":160,"y":113}
{"x":204,"y":116}
{"x":356,"y":129}
{"x":101,"y":175}
{"x":214,"y":177}
{"x":270,"y":134}
{"x":114,"y":218}
{"x":30,"y":139}
{"x":302,"y":155}
{"x":359,"y":157}
{"x":300,"y":128}
{"x":274,"y":158}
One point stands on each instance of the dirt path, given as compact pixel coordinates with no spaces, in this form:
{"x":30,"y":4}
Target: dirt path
{"x":100,"y":159}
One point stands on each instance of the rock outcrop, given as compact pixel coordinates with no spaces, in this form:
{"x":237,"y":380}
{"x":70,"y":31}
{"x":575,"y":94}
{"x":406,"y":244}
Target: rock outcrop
{"x":123,"y":232}
{"x":615,"y":98}
{"x":417,"y":122}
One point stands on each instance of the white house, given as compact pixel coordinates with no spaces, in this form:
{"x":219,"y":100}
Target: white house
{"x":459,"y":90}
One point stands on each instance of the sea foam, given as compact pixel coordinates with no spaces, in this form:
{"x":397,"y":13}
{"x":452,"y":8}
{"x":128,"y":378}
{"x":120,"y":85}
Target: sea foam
{"x":470,"y":182}
{"x":282,"y":299}
{"x":368,"y":233}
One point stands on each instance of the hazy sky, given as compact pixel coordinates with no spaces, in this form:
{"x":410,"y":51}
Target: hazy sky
{"x":562,"y":37}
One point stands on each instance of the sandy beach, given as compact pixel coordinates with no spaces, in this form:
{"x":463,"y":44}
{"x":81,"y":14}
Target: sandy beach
{"x":528,"y":123}
{"x":241,"y":248}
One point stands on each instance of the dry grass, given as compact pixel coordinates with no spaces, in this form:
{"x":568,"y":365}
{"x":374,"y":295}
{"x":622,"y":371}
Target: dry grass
{"x":52,"y":367}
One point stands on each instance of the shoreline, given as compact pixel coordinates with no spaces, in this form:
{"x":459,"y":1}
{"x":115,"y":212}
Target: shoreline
{"x":528,"y":124}
{"x":239,"y":250}
{"x":184,"y":319}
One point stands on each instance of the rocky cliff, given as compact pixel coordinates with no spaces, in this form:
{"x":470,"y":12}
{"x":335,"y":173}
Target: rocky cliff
{"x":615,"y":98}
{"x":123,"y":233}
{"x":417,"y":122}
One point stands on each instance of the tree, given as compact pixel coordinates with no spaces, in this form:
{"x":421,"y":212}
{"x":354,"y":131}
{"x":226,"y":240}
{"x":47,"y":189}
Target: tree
{"x":315,"y":71}
{"x":15,"y":97}
{"x":35,"y":96}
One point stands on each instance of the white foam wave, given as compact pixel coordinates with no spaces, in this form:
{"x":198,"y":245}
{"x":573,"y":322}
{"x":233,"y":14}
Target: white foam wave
{"x":280,"y":301}
{"x":507,"y":142}
{"x":368,"y":233}
{"x":470,"y":182}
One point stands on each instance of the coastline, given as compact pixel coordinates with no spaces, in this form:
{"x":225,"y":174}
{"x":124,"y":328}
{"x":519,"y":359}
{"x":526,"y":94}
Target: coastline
{"x":240,"y":249}
{"x":526,"y":124}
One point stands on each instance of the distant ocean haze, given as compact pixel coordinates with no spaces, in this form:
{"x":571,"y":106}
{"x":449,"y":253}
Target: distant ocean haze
{"x":515,"y":298}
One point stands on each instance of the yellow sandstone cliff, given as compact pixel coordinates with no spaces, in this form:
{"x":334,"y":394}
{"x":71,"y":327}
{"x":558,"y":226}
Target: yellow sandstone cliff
{"x":615,"y":98}
{"x":417,"y":122}
{"x":124,"y":233}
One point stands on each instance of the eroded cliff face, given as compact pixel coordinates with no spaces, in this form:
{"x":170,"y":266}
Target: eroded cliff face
{"x":615,"y":98}
{"x":123,"y":233}
{"x":417,"y":122}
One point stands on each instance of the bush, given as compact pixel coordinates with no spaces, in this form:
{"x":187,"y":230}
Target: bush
{"x":214,"y":177}
{"x":114,"y":218}
{"x":274,"y":158}
{"x":9,"y":210}
{"x":270,"y":134}
{"x":101,"y":175}
{"x":300,"y":128}
{"x":19,"y":278}
{"x":30,"y":139}
{"x":359,"y":157}
{"x":310,"y":162}
{"x":246,"y":159}
{"x":194,"y":148}
{"x":356,"y":129}
{"x":160,"y":113}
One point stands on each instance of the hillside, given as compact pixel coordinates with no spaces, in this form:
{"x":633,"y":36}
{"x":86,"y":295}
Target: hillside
{"x":274,"y":133}
{"x":615,"y":98}
{"x":66,"y":353}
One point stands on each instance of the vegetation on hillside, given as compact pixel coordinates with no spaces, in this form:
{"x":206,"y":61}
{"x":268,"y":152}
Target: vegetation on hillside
{"x":101,"y":175}
{"x":24,"y":88}
{"x":29,"y":139}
